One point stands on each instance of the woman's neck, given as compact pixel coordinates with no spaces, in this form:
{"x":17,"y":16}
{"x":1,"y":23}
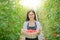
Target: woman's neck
{"x":32,"y":20}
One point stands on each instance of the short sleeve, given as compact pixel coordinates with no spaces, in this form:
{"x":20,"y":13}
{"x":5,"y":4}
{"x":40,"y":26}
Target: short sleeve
{"x":38,"y":26}
{"x":25,"y":26}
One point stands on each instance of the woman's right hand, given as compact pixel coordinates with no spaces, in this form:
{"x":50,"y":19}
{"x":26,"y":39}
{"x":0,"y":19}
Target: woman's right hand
{"x":24,"y":32}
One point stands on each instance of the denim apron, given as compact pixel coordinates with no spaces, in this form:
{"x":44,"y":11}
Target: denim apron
{"x":33,"y":28}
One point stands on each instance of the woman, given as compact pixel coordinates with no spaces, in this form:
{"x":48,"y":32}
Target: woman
{"x":31,"y":23}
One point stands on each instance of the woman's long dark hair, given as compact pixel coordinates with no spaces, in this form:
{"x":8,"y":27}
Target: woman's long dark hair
{"x":27,"y":18}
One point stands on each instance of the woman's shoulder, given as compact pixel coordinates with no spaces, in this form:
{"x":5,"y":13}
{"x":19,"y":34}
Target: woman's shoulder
{"x":26,"y":22}
{"x":37,"y":22}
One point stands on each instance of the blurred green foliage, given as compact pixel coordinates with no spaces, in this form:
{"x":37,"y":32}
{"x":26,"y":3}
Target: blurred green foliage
{"x":49,"y":16}
{"x":12,"y":16}
{"x":9,"y":20}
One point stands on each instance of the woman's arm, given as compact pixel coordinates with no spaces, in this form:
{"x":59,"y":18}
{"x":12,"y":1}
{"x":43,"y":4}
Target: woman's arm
{"x":39,"y":29}
{"x":37,"y":32}
{"x":23,"y":31}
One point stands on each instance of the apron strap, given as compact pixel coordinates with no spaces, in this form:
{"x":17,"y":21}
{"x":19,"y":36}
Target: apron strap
{"x":35,"y":25}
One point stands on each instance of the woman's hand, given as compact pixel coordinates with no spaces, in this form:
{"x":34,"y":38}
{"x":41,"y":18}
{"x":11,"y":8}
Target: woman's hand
{"x":37,"y":32}
{"x":23,"y":31}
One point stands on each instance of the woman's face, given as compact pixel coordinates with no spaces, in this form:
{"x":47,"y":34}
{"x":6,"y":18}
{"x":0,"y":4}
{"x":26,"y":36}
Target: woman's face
{"x":31,"y":15}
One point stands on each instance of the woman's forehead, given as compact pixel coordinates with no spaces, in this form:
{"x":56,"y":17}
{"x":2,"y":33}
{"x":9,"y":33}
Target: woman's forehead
{"x":31,"y":13}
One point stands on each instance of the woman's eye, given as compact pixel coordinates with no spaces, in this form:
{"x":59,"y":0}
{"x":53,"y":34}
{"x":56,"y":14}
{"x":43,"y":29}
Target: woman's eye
{"x":31,"y":14}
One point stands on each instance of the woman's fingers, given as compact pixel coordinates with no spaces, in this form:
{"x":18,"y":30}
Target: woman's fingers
{"x":39,"y":30}
{"x":23,"y":31}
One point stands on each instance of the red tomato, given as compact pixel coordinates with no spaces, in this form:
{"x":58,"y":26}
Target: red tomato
{"x":31,"y":31}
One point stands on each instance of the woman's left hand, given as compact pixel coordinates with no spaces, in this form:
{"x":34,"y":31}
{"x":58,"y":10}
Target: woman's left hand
{"x":37,"y":32}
